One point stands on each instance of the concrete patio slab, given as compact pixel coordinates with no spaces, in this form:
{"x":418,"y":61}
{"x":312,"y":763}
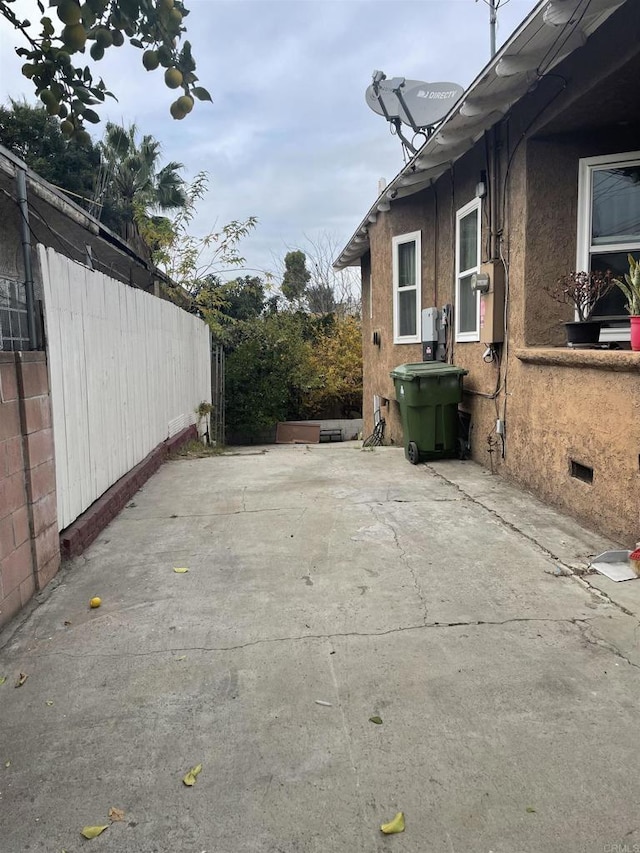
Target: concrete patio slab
{"x":428,"y":595}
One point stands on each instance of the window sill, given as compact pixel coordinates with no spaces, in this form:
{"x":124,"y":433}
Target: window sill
{"x":622,"y":361}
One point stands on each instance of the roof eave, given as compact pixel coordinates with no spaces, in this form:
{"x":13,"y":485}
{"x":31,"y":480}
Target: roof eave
{"x":443,"y":148}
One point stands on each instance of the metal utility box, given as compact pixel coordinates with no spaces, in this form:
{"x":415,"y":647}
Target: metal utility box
{"x":430,"y":326}
{"x":492,"y":304}
{"x":428,"y":394}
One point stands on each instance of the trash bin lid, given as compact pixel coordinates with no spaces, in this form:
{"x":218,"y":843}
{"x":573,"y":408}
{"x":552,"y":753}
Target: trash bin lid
{"x":421,"y":369}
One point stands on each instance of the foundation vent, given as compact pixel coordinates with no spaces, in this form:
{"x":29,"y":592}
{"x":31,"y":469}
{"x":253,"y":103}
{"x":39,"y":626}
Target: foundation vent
{"x":581,"y":472}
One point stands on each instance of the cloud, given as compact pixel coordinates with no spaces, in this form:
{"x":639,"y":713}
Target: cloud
{"x":289,"y":137}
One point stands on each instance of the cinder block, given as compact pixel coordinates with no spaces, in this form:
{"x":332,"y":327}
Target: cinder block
{"x":45,"y":513}
{"x":37,"y":414}
{"x":9,"y":420}
{"x":27,"y":589}
{"x":14,"y":460}
{"x":40,"y":447}
{"x":10,"y":605}
{"x":71,"y":542}
{"x":8,"y":380}
{"x":7,"y":542}
{"x":47,"y":546}
{"x":48,"y":571}
{"x":20,"y":519}
{"x":16,"y":567}
{"x":42,"y":480}
{"x":12,"y":494}
{"x":35,"y":379}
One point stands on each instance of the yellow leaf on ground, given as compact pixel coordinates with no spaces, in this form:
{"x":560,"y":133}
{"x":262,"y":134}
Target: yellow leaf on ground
{"x":8,"y":764}
{"x":190,"y":778}
{"x":395,"y":825}
{"x":21,"y":679}
{"x":116,"y":814}
{"x":93,"y":831}
{"x":3,"y":678}
{"x":181,"y":571}
{"x":49,"y":702}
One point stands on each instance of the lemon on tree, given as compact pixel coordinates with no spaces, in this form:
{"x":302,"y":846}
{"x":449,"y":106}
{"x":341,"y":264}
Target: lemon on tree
{"x":50,"y":101}
{"x":69,"y":12}
{"x":181,"y":107}
{"x":150,"y":60}
{"x":173,"y":78}
{"x":155,"y":27}
{"x":185,"y":102}
{"x":74,"y":37}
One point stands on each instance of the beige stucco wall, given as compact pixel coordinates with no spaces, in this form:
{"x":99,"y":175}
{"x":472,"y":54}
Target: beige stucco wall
{"x":583,"y":407}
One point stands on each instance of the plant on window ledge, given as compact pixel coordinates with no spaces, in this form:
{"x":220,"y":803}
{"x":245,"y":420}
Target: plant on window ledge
{"x":582,"y":290}
{"x":631,"y":290}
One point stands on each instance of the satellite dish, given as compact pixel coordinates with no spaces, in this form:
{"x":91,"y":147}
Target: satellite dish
{"x":430,"y":102}
{"x":386,"y":99}
{"x":415,"y":103}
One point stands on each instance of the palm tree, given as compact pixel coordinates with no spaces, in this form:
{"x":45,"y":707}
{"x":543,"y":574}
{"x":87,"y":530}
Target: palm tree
{"x":130,"y":188}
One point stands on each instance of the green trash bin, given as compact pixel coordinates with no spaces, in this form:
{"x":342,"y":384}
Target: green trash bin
{"x":428,"y":394}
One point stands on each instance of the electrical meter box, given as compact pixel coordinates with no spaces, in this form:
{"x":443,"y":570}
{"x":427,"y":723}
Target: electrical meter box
{"x":429,"y":333}
{"x":492,"y":304}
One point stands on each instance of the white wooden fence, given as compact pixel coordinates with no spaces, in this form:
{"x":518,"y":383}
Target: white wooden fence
{"x":127,"y":371}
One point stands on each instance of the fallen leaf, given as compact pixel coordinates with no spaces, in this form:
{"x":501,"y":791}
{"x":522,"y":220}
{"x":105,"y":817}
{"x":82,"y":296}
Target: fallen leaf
{"x":3,"y":678}
{"x":8,"y":764}
{"x":93,"y":831}
{"x":530,"y":810}
{"x":115,"y":814}
{"x":376,"y":720}
{"x":395,"y":825}
{"x":190,"y":779}
{"x":181,"y":571}
{"x":324,"y":704}
{"x":49,"y":702}
{"x":182,"y":657}
{"x":21,"y":679}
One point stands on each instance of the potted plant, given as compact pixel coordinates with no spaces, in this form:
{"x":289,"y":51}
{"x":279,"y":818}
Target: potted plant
{"x":582,"y":290}
{"x":631,"y":289}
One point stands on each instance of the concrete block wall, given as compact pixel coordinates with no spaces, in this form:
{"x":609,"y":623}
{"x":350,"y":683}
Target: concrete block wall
{"x":29,"y":542}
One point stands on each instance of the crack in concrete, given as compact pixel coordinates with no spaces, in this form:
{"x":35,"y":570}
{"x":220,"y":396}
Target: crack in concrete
{"x":474,"y":623}
{"x":406,"y":561}
{"x":604,"y":644}
{"x":570,"y":572}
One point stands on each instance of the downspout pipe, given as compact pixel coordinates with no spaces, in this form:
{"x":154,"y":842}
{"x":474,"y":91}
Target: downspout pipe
{"x":494,"y":225}
{"x":21,"y":184}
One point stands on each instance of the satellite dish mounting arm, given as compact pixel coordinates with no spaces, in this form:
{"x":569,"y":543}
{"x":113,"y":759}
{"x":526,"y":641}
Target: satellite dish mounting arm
{"x":378,"y":77}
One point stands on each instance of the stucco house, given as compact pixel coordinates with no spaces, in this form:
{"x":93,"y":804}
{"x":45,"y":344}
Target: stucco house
{"x":534,"y":172}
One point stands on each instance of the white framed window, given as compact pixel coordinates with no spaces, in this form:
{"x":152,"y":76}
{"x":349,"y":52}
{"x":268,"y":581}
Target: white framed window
{"x":468,"y":233}
{"x":407,"y":288}
{"x":609,"y":228}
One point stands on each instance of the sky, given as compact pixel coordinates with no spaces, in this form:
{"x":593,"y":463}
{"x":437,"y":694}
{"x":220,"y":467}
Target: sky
{"x":289,"y":137}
